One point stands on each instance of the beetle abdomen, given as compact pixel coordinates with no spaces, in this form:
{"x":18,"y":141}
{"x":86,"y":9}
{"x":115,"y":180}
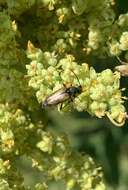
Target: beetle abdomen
{"x":56,"y":98}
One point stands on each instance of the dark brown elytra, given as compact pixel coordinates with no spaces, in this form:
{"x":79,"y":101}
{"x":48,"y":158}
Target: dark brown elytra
{"x":62,"y":95}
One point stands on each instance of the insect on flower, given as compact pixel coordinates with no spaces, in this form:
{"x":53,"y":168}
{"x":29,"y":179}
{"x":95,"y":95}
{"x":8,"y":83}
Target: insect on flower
{"x":62,"y":95}
{"x":123,"y":69}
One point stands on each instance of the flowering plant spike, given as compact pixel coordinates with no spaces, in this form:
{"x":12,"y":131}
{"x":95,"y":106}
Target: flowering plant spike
{"x":100,"y":94}
{"x":47,"y":51}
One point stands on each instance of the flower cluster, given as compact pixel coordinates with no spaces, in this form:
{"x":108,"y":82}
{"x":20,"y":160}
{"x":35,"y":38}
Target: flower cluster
{"x":66,"y":34}
{"x":119,"y":36}
{"x":100,"y":94}
{"x":50,"y":154}
{"x":14,"y":127}
{"x":9,"y":176}
{"x":62,"y":163}
{"x":87,"y":31}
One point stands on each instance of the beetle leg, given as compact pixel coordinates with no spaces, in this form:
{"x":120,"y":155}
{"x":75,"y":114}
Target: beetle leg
{"x":64,"y":85}
{"x":71,"y":98}
{"x":61,"y":106}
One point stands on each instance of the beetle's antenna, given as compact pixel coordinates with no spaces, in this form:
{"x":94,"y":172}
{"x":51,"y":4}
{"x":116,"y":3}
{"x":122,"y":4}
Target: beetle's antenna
{"x":76,"y":77}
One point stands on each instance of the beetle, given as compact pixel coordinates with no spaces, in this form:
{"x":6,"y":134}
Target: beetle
{"x":62,"y":95}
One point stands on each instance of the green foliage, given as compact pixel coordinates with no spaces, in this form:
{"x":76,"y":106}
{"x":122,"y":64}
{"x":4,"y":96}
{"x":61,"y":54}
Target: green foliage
{"x":44,"y":45}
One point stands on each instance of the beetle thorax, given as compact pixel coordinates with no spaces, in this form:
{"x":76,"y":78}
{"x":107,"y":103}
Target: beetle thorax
{"x":73,"y":91}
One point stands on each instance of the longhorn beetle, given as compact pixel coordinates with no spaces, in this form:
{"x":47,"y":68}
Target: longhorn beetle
{"x":62,"y":95}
